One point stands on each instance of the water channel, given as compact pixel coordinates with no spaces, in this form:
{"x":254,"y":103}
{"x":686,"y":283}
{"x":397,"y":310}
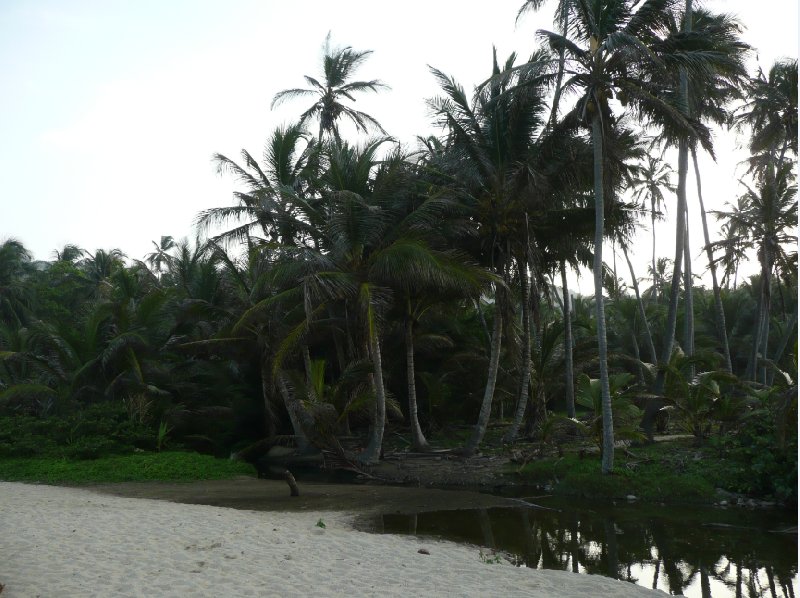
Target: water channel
{"x":702,"y":552}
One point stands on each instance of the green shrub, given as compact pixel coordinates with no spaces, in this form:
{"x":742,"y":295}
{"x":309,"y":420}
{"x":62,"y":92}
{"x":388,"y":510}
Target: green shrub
{"x":165,"y":466}
{"x":95,"y":430}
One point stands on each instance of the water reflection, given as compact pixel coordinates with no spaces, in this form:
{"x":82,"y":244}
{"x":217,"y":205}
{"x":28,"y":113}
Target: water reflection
{"x":689,"y":551}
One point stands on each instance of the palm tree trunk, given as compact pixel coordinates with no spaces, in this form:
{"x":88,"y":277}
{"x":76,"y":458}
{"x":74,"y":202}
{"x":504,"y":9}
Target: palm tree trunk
{"x":719,"y":312}
{"x":637,"y":356}
{"x":602,"y":343}
{"x":295,"y":411}
{"x":484,"y":327}
{"x":486,"y":406}
{"x":688,"y":291}
{"x":373,"y":451}
{"x":522,"y":400}
{"x":311,"y":392}
{"x":653,"y":231}
{"x":752,"y":362}
{"x":266,"y":393}
{"x":418,"y":441}
{"x":569,"y":373}
{"x":648,"y":336}
{"x":767,"y":290}
{"x":761,"y":332}
{"x":680,"y":226}
{"x":787,"y":334}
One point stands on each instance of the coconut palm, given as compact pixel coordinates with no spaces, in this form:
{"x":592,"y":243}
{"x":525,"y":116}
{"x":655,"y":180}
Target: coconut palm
{"x":159,"y":258}
{"x":15,"y":299}
{"x":702,"y":95}
{"x":771,"y":114}
{"x":338,"y":67}
{"x":709,"y":97}
{"x":69,"y":253}
{"x":653,"y":179}
{"x":276,"y":204}
{"x":770,"y":111}
{"x":609,"y":52}
{"x":768,"y":213}
{"x":491,"y":153}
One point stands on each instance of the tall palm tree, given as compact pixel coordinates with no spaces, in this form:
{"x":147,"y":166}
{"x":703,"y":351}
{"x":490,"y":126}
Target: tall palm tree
{"x":329,"y":92}
{"x":709,"y":97}
{"x":609,"y":53}
{"x":653,"y":179}
{"x":491,"y":144}
{"x":771,"y":114}
{"x":702,"y":94}
{"x":769,"y":215}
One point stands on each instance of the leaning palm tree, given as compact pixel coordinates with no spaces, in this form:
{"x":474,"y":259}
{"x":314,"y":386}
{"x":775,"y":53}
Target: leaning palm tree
{"x":338,"y":67}
{"x":609,"y":52}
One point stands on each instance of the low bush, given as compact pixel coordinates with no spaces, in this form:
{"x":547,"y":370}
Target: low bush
{"x":135,"y":467}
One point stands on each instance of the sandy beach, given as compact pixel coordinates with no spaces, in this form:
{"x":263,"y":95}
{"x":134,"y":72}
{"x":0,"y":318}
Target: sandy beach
{"x":65,"y":542}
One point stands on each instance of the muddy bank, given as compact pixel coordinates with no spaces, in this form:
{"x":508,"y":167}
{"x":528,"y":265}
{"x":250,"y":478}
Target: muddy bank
{"x":273,"y":495}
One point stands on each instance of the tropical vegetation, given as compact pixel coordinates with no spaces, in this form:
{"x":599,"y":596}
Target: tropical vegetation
{"x":356,"y":287}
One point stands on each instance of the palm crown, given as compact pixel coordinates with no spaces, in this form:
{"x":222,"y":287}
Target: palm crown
{"x":338,"y":67}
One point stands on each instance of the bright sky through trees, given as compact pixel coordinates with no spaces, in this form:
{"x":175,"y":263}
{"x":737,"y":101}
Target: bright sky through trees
{"x":111,"y":111}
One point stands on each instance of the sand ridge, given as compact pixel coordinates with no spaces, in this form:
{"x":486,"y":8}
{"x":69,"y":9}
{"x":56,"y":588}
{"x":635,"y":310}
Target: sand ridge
{"x":64,"y":542}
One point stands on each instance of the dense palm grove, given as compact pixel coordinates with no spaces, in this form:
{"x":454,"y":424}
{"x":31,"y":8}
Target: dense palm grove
{"x":357,"y":286}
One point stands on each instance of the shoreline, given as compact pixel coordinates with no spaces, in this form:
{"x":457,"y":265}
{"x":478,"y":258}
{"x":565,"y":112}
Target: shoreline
{"x":70,"y":541}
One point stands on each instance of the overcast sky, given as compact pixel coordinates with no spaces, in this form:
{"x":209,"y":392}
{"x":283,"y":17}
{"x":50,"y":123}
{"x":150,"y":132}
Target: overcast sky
{"x":110,"y":110}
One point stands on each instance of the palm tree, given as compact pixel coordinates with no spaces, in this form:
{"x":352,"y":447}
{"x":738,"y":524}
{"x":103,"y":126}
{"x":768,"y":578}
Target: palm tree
{"x":653,"y":179}
{"x":709,"y":97}
{"x":421,"y":270}
{"x":69,"y":253}
{"x":701,"y":95}
{"x":771,"y":113}
{"x":491,"y":154}
{"x":769,"y":215}
{"x":15,"y":299}
{"x":277,"y":203}
{"x":100,"y":266}
{"x":338,"y":67}
{"x":159,"y":258}
{"x":616,"y":60}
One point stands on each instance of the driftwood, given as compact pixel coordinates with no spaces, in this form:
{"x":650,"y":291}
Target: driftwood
{"x":293,"y":489}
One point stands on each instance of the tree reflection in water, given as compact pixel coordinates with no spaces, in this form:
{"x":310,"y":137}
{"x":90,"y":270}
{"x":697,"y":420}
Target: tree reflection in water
{"x":692,"y":551}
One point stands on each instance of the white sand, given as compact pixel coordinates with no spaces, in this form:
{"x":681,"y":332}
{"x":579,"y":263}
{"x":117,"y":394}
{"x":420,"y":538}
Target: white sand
{"x":71,"y":542}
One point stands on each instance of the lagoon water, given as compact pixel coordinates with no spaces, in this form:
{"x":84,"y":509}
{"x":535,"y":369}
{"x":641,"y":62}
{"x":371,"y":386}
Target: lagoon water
{"x":702,"y":552}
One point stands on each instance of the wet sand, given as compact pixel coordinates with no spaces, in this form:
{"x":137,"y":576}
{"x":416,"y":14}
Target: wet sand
{"x":57,"y":541}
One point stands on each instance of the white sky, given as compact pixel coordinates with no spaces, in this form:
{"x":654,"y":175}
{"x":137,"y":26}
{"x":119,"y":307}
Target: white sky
{"x":110,"y":110}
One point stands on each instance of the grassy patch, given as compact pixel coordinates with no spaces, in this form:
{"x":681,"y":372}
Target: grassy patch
{"x":137,"y":467}
{"x":664,"y":472}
